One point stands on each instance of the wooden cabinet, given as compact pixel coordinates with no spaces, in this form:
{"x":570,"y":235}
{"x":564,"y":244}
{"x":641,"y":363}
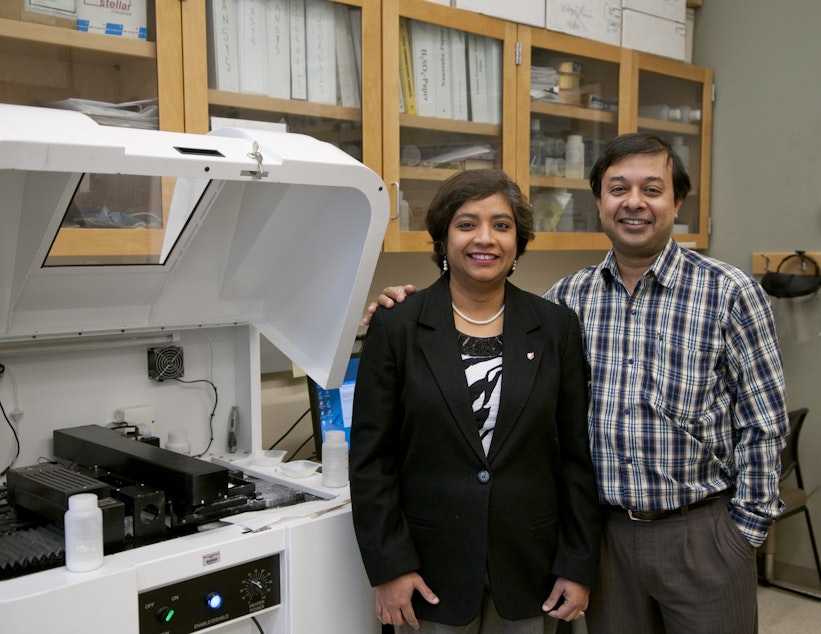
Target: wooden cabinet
{"x":47,"y":61}
{"x":422,"y":149}
{"x":605,"y":90}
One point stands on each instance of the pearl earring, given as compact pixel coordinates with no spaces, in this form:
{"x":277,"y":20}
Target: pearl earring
{"x":513,"y":268}
{"x":444,"y":265}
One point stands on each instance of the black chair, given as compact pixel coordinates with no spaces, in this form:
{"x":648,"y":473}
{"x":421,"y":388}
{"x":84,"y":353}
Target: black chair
{"x":796,"y":500}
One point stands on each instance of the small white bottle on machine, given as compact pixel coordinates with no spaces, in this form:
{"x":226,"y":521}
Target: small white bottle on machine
{"x":83,"y":524}
{"x":334,"y":459}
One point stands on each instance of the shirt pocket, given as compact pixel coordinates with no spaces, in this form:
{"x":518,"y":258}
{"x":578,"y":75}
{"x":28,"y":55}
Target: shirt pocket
{"x":685,"y":374}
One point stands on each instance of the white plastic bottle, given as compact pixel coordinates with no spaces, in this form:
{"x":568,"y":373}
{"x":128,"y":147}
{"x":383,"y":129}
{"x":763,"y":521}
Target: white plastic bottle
{"x":404,"y":212}
{"x":334,"y":459}
{"x":83,"y":533}
{"x":178,"y":442}
{"x":660,"y":111}
{"x":574,"y":157}
{"x":690,"y":115}
{"x":683,"y":152}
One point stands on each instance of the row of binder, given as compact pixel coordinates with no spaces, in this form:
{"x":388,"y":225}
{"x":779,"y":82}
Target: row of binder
{"x":290,"y":49}
{"x":449,"y":73}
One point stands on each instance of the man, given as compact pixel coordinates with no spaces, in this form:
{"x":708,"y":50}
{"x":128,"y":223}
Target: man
{"x":687,"y":408}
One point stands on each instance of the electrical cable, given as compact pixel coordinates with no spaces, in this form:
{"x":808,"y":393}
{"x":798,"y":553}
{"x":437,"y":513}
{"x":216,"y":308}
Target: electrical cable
{"x":259,"y":627}
{"x":16,"y":439}
{"x":290,"y":429}
{"x":210,"y":417}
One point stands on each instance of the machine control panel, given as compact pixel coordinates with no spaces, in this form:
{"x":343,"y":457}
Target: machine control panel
{"x":211,"y":599}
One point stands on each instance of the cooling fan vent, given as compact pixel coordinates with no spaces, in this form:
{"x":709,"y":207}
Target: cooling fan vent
{"x":165,"y":363}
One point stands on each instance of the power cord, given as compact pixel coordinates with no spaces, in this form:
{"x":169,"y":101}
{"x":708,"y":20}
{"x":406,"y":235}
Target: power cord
{"x":16,"y":440}
{"x":210,"y":417}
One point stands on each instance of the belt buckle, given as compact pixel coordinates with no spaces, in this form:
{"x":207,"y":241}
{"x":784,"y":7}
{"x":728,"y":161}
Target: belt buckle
{"x":634,"y":518}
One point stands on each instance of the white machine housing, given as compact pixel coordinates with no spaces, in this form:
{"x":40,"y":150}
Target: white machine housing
{"x":266,"y":233}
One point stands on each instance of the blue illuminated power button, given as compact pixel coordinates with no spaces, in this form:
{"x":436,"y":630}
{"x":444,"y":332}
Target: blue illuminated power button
{"x":164,"y":615}
{"x":214,"y":600}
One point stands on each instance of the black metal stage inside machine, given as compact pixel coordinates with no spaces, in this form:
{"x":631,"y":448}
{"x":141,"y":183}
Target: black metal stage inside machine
{"x":147,"y":494}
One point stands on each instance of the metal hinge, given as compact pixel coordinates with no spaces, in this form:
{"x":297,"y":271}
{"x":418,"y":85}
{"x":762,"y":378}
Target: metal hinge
{"x":714,"y":92}
{"x":518,"y":53}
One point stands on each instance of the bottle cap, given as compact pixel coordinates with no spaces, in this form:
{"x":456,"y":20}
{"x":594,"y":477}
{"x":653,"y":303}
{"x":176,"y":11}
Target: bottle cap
{"x":334,"y":435}
{"x":82,"y":502}
{"x":574,"y":138}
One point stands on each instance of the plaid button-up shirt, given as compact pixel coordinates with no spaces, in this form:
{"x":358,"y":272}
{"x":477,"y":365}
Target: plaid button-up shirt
{"x":686,"y":386}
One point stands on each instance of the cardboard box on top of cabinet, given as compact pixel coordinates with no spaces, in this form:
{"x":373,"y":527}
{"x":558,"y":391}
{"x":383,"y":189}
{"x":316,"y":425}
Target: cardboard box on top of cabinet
{"x":123,"y":18}
{"x":522,"y":11}
{"x":668,"y":9}
{"x":651,"y":34}
{"x":592,"y":19}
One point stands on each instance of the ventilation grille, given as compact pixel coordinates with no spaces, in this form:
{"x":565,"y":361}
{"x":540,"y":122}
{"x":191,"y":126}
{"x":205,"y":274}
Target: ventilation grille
{"x":165,"y":363}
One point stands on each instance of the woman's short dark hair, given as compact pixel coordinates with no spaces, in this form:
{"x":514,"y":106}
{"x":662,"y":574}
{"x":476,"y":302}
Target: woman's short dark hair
{"x":476,"y":185}
{"x":639,"y":143}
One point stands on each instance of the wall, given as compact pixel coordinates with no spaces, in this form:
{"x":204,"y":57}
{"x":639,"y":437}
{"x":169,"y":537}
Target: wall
{"x":766,"y":194}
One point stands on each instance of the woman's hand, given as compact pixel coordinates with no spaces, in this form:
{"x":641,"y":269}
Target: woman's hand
{"x":393,"y":599}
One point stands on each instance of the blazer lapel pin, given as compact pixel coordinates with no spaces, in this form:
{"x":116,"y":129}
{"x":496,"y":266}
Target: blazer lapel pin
{"x":530,"y":356}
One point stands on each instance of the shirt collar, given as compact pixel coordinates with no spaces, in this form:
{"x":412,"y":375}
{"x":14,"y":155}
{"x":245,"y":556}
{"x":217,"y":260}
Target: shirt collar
{"x":664,"y":269}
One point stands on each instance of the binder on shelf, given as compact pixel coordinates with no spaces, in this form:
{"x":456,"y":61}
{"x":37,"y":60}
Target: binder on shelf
{"x":477,"y":78}
{"x":407,"y":100}
{"x":493,"y":79}
{"x":299,"y":79}
{"x":458,"y":75}
{"x":441,"y":72}
{"x":355,"y":17}
{"x":423,"y":61}
{"x":252,"y":46}
{"x":347,"y":77}
{"x":279,"y":48}
{"x":223,"y":70}
{"x":320,"y":46}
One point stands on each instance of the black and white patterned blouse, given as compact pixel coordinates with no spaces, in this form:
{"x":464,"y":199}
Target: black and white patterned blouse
{"x":482,"y":357}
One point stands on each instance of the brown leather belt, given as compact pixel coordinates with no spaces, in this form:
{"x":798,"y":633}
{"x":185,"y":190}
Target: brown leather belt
{"x":652,"y":516}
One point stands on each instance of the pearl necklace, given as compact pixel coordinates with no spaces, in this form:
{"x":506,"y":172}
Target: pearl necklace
{"x":478,"y":322}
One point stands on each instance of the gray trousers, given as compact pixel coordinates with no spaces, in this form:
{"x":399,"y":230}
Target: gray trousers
{"x":679,"y":575}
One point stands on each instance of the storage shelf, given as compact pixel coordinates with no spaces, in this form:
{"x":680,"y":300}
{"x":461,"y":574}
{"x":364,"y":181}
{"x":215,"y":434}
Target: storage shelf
{"x":40,"y":40}
{"x":262,"y":103}
{"x":573,"y":112}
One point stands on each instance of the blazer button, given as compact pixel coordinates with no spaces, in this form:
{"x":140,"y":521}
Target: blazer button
{"x":483,"y":477}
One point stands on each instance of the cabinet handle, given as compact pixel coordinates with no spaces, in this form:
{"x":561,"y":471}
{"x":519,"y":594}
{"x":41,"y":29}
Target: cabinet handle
{"x":395,"y":185}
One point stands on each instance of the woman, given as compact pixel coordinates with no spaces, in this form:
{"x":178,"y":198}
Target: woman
{"x":473,"y":494}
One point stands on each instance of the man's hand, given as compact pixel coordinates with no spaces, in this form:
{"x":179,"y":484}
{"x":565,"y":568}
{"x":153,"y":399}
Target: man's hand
{"x":393,"y":599}
{"x":567,"y":601}
{"x":389,"y":297}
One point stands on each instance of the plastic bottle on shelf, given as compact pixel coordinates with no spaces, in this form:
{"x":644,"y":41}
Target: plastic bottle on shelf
{"x":574,"y":157}
{"x":683,"y":152}
{"x":334,"y":459}
{"x":537,"y":147}
{"x":403,"y":207}
{"x":690,"y":115}
{"x":660,"y":111}
{"x":83,"y":523}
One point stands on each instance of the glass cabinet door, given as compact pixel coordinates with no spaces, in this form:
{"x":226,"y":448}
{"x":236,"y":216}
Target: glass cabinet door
{"x":445,"y":87}
{"x":675,"y":102}
{"x":115,"y":79}
{"x":300,"y":65}
{"x":568,"y":108}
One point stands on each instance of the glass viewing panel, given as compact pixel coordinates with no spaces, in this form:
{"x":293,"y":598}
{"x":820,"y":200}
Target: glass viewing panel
{"x":573,"y":113}
{"x":450,"y":106}
{"x":671,"y":108}
{"x":116,"y":219}
{"x":296,"y":64}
